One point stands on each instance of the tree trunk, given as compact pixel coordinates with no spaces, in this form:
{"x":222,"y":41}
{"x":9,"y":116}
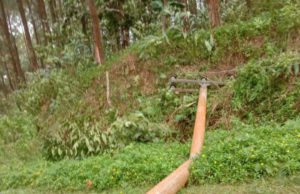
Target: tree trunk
{"x":99,"y":52}
{"x":3,"y":86}
{"x":33,"y":22}
{"x":118,"y":40}
{"x":193,"y":7}
{"x":3,"y":62}
{"x":165,"y":21}
{"x":51,"y":4}
{"x":43,"y":16}
{"x":186,"y":26}
{"x":32,"y":55}
{"x":9,"y":77}
{"x":125,"y":36}
{"x":213,"y":12}
{"x":11,"y":46}
{"x":15,"y":51}
{"x":36,"y":35}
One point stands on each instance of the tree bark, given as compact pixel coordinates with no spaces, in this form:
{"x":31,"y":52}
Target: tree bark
{"x":9,"y":77}
{"x":165,"y":21}
{"x":3,"y":86}
{"x":186,"y":26}
{"x":99,"y":52}
{"x":11,"y":46}
{"x":33,"y":22}
{"x":213,"y":12}
{"x":43,"y":17}
{"x":52,"y":10}
{"x":3,"y":62}
{"x":32,"y":55}
{"x":193,"y":6}
{"x":125,"y":36}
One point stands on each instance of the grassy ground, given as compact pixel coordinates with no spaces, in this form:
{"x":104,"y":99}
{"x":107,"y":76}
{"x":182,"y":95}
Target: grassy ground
{"x":277,"y":185}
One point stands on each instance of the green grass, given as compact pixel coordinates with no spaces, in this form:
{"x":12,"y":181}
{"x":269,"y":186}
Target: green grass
{"x":278,"y":185}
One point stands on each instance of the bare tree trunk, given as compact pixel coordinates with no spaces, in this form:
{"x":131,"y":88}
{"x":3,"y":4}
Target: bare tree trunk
{"x":11,"y":46}
{"x":51,"y":4}
{"x":192,"y":6}
{"x":3,"y":86}
{"x":43,"y":16}
{"x":213,"y":12}
{"x":9,"y":77}
{"x":165,"y":21}
{"x":125,"y":36}
{"x":36,"y":35}
{"x":3,"y":62}
{"x":16,"y":51}
{"x":186,"y":26}
{"x":99,"y":52}
{"x":32,"y":55}
{"x":33,"y":22}
{"x":118,"y":39}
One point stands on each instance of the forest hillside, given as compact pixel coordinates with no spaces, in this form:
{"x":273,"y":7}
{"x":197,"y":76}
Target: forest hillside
{"x":86,"y":104}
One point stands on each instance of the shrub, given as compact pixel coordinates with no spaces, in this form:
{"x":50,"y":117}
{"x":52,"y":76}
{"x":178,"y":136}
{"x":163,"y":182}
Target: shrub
{"x":80,"y":137}
{"x":18,"y":137}
{"x":248,"y":153}
{"x":261,"y":85}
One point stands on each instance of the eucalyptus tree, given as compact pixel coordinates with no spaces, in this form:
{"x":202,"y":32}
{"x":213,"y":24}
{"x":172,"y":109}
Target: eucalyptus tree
{"x":213,"y":12}
{"x":9,"y":39}
{"x":32,"y":55}
{"x":44,"y":19}
{"x":99,"y":52}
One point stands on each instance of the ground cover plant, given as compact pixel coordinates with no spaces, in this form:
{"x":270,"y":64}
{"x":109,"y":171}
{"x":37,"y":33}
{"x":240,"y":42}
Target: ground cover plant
{"x":247,"y":152}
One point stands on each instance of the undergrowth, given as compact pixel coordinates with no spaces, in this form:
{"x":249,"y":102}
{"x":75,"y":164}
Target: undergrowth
{"x":228,"y":156}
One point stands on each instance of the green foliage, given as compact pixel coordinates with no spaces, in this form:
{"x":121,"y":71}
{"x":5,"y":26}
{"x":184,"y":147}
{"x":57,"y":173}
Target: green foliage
{"x":48,"y":90}
{"x":127,"y":167}
{"x":247,"y":153}
{"x":228,"y":156}
{"x":83,"y":137}
{"x":269,"y":86}
{"x":18,"y":138}
{"x":136,"y":128}
{"x":229,"y":39}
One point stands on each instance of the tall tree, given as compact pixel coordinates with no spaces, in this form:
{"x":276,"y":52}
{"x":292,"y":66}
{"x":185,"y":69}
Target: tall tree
{"x":99,"y":52}
{"x":213,"y":12}
{"x":31,"y":51}
{"x":11,"y":45}
{"x":43,"y":16}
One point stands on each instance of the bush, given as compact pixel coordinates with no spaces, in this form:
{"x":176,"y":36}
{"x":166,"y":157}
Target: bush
{"x":18,"y":138}
{"x":83,"y":137}
{"x":269,"y":86}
